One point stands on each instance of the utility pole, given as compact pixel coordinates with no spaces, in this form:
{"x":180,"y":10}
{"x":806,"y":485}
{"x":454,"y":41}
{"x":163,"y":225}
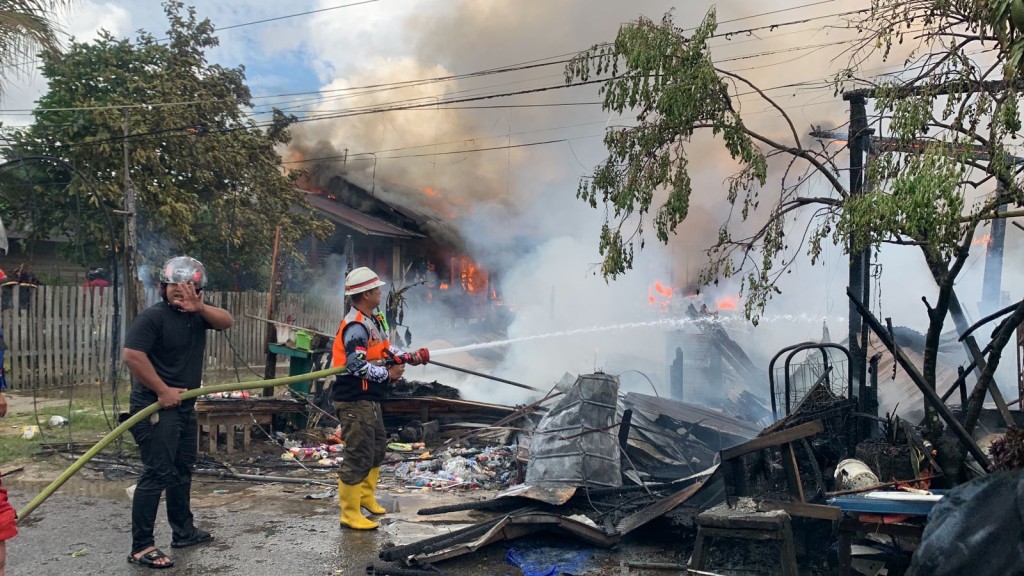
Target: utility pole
{"x":860,"y":285}
{"x":131,"y":283}
{"x":270,"y":366}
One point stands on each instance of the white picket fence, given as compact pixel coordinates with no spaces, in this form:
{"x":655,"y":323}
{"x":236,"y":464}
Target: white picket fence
{"x":61,"y":336}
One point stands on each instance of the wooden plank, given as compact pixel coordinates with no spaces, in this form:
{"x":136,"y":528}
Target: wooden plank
{"x":82,"y":342}
{"x":50,"y":336}
{"x":14,"y":344}
{"x":38,"y":323}
{"x":63,"y":325}
{"x":68,"y":368}
{"x":788,"y":435}
{"x":767,"y":534}
{"x":793,"y":483}
{"x":803,"y":509}
{"x":930,"y":395}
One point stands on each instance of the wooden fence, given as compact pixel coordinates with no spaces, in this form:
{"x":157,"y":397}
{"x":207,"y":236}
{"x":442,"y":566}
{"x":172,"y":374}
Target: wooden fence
{"x":61,"y":336}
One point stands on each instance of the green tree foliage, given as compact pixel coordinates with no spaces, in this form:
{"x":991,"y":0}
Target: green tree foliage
{"x":208,"y":179}
{"x":670,"y":80}
{"x":26,"y":27}
{"x":944,"y":125}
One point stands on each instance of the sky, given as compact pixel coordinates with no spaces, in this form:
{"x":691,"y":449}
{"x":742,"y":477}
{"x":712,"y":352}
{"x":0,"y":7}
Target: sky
{"x":322,"y":58}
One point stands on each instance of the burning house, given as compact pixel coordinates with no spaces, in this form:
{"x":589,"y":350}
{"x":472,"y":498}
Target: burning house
{"x":704,"y":355}
{"x":412,"y":245}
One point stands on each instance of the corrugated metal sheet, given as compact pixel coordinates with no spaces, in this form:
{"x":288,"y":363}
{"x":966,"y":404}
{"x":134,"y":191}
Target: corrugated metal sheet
{"x":358,"y":221}
{"x":692,"y":413}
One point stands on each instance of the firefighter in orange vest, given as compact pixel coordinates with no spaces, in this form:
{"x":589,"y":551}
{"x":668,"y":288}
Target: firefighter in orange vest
{"x":362,"y":346}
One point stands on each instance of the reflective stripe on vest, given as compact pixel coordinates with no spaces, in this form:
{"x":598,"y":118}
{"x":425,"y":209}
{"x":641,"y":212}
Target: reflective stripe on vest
{"x":375,"y":346}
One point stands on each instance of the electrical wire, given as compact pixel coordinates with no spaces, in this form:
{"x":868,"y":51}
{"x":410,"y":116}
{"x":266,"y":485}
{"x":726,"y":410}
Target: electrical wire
{"x":426,"y":81}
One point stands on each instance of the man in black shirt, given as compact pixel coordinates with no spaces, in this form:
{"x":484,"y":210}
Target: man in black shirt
{"x":164,"y":350}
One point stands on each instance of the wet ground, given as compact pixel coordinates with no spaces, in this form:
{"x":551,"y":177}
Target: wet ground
{"x":274,"y":530}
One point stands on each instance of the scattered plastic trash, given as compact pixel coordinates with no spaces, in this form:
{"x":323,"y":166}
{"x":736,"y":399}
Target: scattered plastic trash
{"x":130,"y":491}
{"x":462,"y":468}
{"x":29,"y":432}
{"x":57,"y":421}
{"x":405,"y":446}
{"x":79,"y":552}
{"x":324,"y":455}
{"x":221,"y":491}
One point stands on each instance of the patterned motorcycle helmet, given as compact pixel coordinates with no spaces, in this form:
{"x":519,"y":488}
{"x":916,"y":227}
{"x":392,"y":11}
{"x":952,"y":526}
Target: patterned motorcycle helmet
{"x":182,"y":269}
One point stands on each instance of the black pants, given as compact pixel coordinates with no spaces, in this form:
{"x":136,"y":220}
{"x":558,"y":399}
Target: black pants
{"x":167,"y":444}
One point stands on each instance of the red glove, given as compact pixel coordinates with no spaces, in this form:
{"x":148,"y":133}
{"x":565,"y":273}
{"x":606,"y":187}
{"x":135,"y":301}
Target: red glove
{"x":421,"y":356}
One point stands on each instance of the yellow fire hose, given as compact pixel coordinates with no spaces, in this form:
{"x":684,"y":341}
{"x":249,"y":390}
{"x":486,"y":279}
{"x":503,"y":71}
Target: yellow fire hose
{"x":148,"y":411}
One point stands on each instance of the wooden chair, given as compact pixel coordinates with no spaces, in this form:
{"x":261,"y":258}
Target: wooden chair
{"x":736,"y":483}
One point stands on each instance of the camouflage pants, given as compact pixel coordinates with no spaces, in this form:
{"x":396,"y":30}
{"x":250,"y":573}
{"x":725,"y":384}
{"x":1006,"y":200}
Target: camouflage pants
{"x":362,"y":430}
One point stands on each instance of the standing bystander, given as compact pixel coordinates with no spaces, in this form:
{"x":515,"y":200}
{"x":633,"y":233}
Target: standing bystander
{"x":164,"y":350}
{"x":8,"y":518}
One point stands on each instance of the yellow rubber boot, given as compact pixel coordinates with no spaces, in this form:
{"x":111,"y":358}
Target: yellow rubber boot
{"x":351,"y":515}
{"x":369,"y":486}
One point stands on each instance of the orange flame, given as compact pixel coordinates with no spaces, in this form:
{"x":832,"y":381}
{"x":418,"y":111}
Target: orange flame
{"x":469,"y":275}
{"x":430,"y":192}
{"x":727,"y":302}
{"x":982,"y":240}
{"x":660,"y":295}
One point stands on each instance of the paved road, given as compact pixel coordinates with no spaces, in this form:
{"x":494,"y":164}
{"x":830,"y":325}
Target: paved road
{"x":264,"y":530}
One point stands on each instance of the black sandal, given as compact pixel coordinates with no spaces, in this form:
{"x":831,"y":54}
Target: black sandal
{"x":149,"y":559}
{"x":199,"y":538}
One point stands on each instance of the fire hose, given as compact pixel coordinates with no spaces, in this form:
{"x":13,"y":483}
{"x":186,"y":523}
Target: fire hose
{"x":405,"y":361}
{"x":148,"y":411}
{"x":230,"y":387}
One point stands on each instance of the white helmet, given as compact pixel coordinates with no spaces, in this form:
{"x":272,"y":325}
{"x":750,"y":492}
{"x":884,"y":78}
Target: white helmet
{"x":360,"y":280}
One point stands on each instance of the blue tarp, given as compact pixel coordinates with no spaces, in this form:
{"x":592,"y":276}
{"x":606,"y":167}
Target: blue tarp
{"x":549,"y":561}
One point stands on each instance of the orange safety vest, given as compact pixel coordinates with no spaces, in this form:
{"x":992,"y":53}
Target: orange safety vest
{"x":375,"y":347}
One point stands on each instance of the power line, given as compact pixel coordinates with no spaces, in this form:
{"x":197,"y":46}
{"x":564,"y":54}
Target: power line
{"x":438,"y":102}
{"x":801,"y":7}
{"x":286,"y":16}
{"x":537,"y":63}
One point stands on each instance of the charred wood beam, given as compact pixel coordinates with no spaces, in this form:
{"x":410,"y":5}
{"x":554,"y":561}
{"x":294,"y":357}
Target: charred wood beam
{"x":772,"y":440}
{"x":627,"y":417}
{"x":496,"y":503}
{"x":381,"y":570}
{"x":1001,"y":339}
{"x":959,"y":384}
{"x":987,"y":319}
{"x":727,"y":347}
{"x":979,"y":358}
{"x":919,"y":380}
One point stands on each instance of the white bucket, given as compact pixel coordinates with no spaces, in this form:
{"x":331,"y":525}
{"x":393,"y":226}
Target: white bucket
{"x":852,"y":474}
